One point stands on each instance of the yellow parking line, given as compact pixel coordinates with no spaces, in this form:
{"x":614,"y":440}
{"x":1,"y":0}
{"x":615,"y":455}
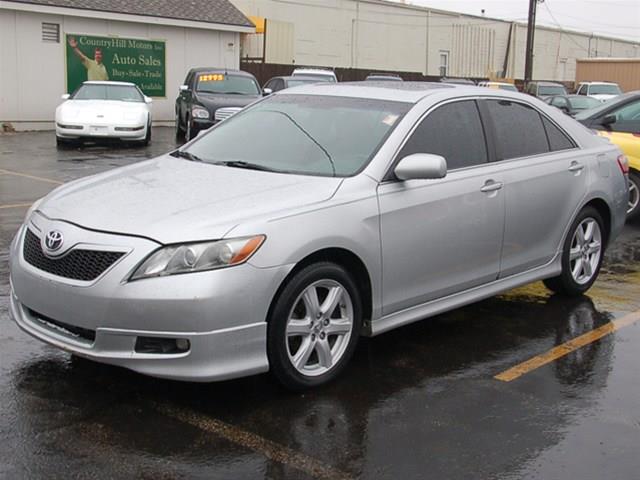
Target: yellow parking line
{"x":567,"y":347}
{"x":272,"y":450}
{"x":33,"y":177}
{"x":15,"y":205}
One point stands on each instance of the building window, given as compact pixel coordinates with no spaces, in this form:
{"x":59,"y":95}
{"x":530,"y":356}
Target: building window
{"x":51,"y":32}
{"x":444,"y":63}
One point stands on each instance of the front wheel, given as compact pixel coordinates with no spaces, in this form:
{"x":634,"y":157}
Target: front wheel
{"x":581,"y":255}
{"x":314,"y":326}
{"x":634,"y":195}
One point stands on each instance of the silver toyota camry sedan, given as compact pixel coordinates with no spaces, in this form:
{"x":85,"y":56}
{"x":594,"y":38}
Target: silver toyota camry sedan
{"x":317,"y":215}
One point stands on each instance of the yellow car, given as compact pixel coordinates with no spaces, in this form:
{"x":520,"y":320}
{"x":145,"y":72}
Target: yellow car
{"x":619,"y":121}
{"x":629,"y":143}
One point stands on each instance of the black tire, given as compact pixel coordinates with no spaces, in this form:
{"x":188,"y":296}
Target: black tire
{"x":634,"y":195}
{"x":277,"y":341}
{"x":179,"y":129}
{"x":565,"y":284}
{"x":147,"y":138}
{"x":188,"y":135}
{"x":61,"y":143}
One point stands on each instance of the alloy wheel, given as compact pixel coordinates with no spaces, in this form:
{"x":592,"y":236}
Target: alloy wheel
{"x":585,"y":251}
{"x":319,"y":327}
{"x":634,"y":196}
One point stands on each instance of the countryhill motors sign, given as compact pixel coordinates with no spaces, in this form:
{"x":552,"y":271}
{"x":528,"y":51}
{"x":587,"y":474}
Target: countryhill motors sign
{"x":118,"y":59}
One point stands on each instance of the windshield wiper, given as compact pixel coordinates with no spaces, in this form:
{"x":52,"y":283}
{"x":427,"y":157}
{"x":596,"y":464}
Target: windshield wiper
{"x":186,"y":155}
{"x":247,"y":165}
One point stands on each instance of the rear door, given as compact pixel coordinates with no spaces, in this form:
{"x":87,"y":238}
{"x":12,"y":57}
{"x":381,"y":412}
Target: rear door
{"x":545,"y":177}
{"x":442,"y":236}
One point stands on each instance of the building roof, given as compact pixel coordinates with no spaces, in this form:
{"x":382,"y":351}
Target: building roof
{"x":208,"y":11}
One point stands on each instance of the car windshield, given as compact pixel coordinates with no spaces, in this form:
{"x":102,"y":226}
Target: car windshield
{"x":604,"y":90}
{"x":123,"y":93}
{"x":318,"y":77}
{"x":583,"y":103}
{"x":602,"y":107}
{"x":551,"y":90}
{"x":300,"y":81}
{"x":510,"y":88}
{"x":227,"y":83}
{"x":302,"y":134}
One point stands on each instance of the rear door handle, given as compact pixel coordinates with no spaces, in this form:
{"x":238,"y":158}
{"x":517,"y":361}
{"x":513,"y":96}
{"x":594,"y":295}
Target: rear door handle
{"x":576,"y":167}
{"x":491,"y":186}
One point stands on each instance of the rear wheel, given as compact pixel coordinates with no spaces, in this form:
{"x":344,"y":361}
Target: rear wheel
{"x":581,"y":256}
{"x":634,"y":195}
{"x":314,"y":326}
{"x":179,"y":129}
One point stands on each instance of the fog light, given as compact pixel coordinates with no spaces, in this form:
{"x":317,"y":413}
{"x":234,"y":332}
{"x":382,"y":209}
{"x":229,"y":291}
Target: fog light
{"x":161,"y":345}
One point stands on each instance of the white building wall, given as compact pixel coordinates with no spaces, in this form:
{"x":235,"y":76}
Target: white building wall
{"x":33,"y":76}
{"x":377,"y":35}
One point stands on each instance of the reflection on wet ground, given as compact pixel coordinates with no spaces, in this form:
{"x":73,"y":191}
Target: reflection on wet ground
{"x":418,"y":402}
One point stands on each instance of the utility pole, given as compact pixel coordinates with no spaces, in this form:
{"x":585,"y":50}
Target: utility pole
{"x":531,"y":30}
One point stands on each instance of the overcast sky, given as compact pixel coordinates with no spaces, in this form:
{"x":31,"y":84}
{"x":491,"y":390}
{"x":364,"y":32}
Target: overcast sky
{"x":617,"y":18}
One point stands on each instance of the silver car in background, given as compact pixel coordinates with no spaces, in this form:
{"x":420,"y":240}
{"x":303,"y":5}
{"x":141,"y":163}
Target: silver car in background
{"x":317,"y":215}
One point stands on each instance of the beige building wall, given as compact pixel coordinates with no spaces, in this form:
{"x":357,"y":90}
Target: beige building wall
{"x":32,"y":72}
{"x":625,"y":72}
{"x":380,"y":35}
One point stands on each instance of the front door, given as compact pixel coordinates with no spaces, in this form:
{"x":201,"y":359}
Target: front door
{"x":442,"y":236}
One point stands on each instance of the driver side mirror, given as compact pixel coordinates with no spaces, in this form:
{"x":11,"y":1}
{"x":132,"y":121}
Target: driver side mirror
{"x":65,"y":96}
{"x":183,"y":88}
{"x":565,"y":109}
{"x":421,"y":166}
{"x":267,"y":91}
{"x":148,"y":99}
{"x":607,"y":120}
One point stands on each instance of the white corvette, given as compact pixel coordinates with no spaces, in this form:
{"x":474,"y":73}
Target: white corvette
{"x":99,"y":110}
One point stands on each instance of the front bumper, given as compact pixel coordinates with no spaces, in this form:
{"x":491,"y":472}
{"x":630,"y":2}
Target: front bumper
{"x":221,"y":312}
{"x":101,"y":131}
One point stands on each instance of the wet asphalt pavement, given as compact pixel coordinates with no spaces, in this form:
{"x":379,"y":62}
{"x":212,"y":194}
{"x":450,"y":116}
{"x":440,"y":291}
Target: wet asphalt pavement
{"x":418,"y":402}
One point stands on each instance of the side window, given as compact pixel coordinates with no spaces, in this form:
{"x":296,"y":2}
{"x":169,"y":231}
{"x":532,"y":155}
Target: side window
{"x":557,"y":139}
{"x":453,"y":131}
{"x":582,"y":90}
{"x":519,"y":129}
{"x":559,"y":102}
{"x":627,"y":118}
{"x":269,"y":84}
{"x":279,"y":84}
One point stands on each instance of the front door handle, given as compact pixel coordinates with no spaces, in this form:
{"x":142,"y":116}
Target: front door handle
{"x":576,"y":167}
{"x":491,"y":186}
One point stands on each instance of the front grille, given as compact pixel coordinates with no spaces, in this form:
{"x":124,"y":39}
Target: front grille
{"x":225,"y":112}
{"x":78,"y":264}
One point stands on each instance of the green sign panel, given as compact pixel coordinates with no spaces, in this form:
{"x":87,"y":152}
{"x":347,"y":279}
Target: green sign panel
{"x":118,"y":59}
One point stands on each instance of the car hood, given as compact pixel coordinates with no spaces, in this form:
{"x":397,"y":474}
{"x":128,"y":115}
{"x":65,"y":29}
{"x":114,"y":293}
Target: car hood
{"x":174,"y":200}
{"x":214,"y":101}
{"x":101,"y":111}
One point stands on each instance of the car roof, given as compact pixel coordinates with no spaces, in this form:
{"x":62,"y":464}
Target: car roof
{"x":221,"y":70}
{"x":598,"y":83}
{"x":497,"y":83}
{"x":107,"y":82}
{"x":315,"y":71}
{"x":408,"y":92}
{"x":548,"y":84}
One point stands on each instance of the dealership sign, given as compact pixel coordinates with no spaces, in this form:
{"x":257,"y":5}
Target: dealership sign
{"x":118,"y":59}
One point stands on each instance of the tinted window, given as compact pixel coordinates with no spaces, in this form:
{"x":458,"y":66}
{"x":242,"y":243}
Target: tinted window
{"x":605,"y":90}
{"x":558,"y":102}
{"x":226,"y":83}
{"x":519,"y":130}
{"x":557,"y":139}
{"x":453,"y":131}
{"x":551,"y":90}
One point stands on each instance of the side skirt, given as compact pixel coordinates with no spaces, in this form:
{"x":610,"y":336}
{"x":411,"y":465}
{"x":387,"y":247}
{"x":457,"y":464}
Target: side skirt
{"x":456,"y":300}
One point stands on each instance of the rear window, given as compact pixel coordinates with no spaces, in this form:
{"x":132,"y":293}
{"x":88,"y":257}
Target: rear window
{"x":604,"y":90}
{"x":551,"y":90}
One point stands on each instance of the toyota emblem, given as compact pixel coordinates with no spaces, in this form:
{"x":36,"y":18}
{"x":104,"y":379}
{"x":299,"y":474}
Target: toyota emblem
{"x":53,"y":240}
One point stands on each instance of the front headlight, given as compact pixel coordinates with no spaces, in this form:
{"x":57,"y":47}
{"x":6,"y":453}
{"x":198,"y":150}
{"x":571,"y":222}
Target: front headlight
{"x":199,"y":112}
{"x":198,"y":257}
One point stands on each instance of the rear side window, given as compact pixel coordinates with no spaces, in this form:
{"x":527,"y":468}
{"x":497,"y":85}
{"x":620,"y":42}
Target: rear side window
{"x":557,"y":139}
{"x":518,"y":129}
{"x":453,"y":131}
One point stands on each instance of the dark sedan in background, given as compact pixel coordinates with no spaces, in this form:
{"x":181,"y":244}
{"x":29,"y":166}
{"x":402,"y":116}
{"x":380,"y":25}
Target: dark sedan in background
{"x":210,"y":95}
{"x":572,"y":104}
